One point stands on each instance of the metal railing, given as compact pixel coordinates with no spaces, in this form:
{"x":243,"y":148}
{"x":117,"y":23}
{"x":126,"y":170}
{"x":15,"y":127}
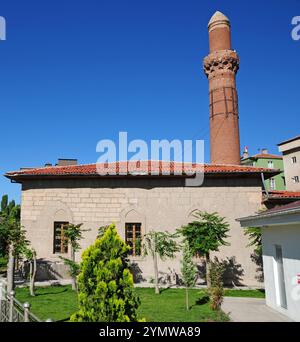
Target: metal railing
{"x":11,"y":310}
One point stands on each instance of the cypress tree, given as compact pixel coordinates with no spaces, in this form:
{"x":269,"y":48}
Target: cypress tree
{"x":188,"y":270}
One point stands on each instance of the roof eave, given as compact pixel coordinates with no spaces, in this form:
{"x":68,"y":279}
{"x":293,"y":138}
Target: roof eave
{"x":273,"y":218}
{"x":289,"y":140}
{"x":19,"y":178}
{"x":271,"y":197}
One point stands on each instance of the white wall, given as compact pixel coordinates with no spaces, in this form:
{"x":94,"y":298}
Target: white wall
{"x":289,"y":238}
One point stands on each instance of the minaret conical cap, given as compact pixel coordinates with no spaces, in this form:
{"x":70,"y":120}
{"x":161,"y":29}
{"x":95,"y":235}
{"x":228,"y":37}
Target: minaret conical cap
{"x":218,"y":19}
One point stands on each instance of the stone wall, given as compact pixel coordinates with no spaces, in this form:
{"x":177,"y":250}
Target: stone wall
{"x":159,"y":204}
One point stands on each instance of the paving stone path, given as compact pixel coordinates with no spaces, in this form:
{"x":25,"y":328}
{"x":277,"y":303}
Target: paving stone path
{"x":251,"y":310}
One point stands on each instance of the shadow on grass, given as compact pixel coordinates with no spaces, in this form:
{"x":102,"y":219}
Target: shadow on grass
{"x":64,"y":319}
{"x":51,"y":292}
{"x":164,"y":289}
{"x":202,"y":301}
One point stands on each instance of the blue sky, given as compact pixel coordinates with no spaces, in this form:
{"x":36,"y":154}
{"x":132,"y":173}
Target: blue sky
{"x":75,"y":72}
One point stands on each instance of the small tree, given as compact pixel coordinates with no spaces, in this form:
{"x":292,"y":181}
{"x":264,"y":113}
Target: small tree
{"x":255,"y":237}
{"x":30,"y":255}
{"x":74,"y":234}
{"x":205,"y":235}
{"x":17,"y":243}
{"x":3,"y":230}
{"x":216,"y":290}
{"x":105,"y":284}
{"x":9,"y":211}
{"x":188,"y":270}
{"x":162,"y":245}
{"x":12,"y":236}
{"x":255,"y":240}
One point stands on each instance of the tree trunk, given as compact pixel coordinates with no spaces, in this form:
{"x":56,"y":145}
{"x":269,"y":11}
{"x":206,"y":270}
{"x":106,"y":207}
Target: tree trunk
{"x":187,"y":298}
{"x":10,"y":269}
{"x":32,"y":275}
{"x":208,"y":280}
{"x":155,"y":272}
{"x":74,"y":283}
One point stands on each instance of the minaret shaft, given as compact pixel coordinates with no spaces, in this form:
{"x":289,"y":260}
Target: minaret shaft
{"x":221,"y":66}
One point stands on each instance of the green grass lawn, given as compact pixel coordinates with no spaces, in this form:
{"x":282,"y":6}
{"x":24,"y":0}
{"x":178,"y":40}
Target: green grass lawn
{"x":245,"y":293}
{"x":59,"y":302}
{"x":55,"y":302}
{"x":3,"y":264}
{"x":169,"y":306}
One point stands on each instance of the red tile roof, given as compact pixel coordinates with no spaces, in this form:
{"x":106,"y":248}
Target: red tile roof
{"x":143,"y":168}
{"x":266,"y":156}
{"x":284,"y":194}
{"x":280,"y":208}
{"x":286,"y":209}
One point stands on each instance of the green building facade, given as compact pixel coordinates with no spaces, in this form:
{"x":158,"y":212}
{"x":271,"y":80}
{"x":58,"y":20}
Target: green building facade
{"x":270,"y":161}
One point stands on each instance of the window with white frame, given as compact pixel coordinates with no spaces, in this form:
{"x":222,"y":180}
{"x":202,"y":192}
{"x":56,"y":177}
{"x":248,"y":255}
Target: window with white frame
{"x":270,"y":164}
{"x":294,"y":160}
{"x":272,"y":184}
{"x":296,"y":179}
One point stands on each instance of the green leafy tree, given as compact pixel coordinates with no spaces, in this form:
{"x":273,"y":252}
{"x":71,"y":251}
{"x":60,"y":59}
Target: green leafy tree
{"x":205,"y":235}
{"x":13,"y":237}
{"x":105,"y":284}
{"x":73,"y":234}
{"x":9,"y":210}
{"x":255,"y":237}
{"x":188,"y":270}
{"x":255,"y":240}
{"x":162,"y":245}
{"x":17,"y":245}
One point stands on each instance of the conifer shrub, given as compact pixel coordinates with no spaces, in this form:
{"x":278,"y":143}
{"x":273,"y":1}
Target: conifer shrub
{"x":105,"y":283}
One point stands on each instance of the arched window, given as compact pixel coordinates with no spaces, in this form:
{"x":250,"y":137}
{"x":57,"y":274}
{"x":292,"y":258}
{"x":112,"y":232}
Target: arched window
{"x":60,"y":224}
{"x":133,"y":232}
{"x":133,"y":237}
{"x":60,"y":242}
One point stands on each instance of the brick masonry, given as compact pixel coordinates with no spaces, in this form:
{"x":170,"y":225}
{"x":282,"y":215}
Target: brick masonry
{"x":221,"y":66}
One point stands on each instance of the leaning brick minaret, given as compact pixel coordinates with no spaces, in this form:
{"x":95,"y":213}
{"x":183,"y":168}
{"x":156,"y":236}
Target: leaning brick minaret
{"x":220,"y":67}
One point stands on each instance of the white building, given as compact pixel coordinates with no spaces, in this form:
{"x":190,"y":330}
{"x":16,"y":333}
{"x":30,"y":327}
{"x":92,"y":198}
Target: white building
{"x":281,"y":256}
{"x":291,"y":159}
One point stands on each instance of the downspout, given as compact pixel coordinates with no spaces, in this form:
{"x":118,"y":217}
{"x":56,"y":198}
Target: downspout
{"x":264,"y":184}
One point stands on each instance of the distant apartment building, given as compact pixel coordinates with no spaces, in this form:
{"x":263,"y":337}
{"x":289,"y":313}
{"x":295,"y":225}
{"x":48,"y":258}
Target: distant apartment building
{"x":267,"y":160}
{"x":291,"y":160}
